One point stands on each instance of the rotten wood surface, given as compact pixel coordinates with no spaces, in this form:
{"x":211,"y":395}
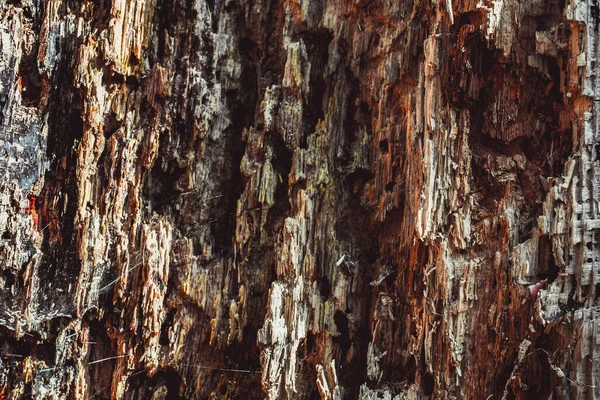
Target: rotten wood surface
{"x":294,"y":199}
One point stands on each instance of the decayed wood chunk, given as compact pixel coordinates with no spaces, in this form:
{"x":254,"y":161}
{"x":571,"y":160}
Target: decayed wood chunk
{"x":299,"y":199}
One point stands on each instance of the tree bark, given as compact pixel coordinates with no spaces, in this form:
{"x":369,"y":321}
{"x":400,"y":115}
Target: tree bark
{"x":299,"y":199}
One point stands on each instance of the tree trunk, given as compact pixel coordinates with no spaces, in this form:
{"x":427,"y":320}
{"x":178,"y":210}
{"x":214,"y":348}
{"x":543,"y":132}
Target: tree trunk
{"x":294,"y":199}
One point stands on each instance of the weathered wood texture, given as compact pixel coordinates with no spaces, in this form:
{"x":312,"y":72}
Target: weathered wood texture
{"x":299,"y":198}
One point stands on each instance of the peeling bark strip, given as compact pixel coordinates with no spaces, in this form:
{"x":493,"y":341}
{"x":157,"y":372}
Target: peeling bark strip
{"x":299,"y":199}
